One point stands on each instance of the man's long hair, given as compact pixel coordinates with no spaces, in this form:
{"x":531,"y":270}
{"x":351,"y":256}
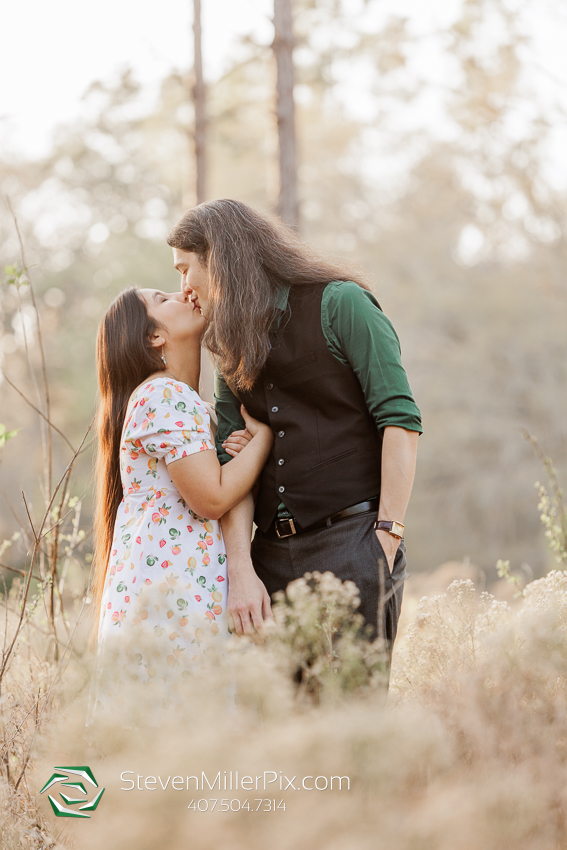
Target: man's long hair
{"x":250,"y":258}
{"x":124,"y":359}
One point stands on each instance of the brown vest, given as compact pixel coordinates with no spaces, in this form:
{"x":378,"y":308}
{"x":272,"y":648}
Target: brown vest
{"x":327,"y":450}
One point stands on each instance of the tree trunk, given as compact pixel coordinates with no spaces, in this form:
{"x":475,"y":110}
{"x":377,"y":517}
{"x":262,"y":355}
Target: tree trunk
{"x":288,"y":208}
{"x":199,"y":96}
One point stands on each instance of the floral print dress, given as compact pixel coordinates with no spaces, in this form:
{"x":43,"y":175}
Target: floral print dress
{"x":164,"y":596}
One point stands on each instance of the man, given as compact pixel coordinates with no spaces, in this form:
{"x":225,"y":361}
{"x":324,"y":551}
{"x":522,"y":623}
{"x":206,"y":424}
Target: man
{"x":306,"y":347}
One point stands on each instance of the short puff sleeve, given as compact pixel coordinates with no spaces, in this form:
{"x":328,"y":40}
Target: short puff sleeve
{"x":168,"y":420}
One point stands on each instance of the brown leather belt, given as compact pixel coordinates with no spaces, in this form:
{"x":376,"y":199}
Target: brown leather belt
{"x":289,"y":526}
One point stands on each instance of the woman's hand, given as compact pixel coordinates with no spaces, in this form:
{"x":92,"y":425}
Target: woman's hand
{"x":239,"y":439}
{"x":236,"y":442}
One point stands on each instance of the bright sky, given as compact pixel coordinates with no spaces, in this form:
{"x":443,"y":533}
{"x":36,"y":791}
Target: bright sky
{"x":52,"y":51}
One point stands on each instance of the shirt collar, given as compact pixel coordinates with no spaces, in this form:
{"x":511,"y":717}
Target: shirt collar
{"x":282,"y":299}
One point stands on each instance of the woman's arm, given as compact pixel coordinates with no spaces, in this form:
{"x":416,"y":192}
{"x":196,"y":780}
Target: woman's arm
{"x":210,"y":489}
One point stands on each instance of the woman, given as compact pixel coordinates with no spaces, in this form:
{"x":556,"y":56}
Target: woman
{"x":159,"y":583}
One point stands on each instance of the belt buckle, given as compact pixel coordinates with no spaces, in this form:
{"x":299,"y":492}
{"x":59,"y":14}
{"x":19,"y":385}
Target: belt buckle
{"x":291,"y":526}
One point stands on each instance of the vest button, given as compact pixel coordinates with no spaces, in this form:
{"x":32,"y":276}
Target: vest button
{"x":269,"y":386}
{"x":281,"y":489}
{"x":281,"y":461}
{"x":281,"y":433}
{"x":275,"y":409}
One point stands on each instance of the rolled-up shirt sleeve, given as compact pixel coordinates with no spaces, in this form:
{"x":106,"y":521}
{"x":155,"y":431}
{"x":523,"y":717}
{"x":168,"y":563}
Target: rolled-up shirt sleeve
{"x":359,"y":334}
{"x":229,"y":418}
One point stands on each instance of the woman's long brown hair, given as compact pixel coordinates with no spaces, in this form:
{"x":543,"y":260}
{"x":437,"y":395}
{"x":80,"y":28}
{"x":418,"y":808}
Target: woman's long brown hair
{"x":250,"y":258}
{"x":124,"y":359}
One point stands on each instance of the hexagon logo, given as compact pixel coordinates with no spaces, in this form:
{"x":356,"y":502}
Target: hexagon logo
{"x":70,"y":778}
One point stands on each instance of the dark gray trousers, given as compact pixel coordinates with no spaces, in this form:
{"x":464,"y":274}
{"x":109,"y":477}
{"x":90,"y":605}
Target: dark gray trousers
{"x":350,"y":550}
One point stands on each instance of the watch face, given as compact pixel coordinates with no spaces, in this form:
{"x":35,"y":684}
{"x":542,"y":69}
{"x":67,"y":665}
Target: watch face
{"x":397,"y":528}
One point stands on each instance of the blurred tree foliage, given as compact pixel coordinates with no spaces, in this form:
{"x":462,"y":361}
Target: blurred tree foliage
{"x":457,"y":221}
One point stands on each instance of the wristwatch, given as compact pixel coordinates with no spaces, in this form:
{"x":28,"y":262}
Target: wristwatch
{"x":396,"y":529}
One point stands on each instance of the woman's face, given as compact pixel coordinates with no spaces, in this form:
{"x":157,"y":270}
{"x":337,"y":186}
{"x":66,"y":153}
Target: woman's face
{"x":178,"y":317}
{"x":194,"y":277}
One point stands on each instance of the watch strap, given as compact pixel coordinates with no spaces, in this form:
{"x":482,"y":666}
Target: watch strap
{"x":396,"y":529}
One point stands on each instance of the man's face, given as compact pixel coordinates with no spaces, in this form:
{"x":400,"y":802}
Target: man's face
{"x":194,"y":277}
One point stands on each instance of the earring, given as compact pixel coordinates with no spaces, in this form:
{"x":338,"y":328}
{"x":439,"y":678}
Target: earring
{"x":163,"y":356}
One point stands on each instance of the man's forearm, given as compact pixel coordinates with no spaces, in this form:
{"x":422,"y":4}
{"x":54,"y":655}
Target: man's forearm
{"x":237,"y":532}
{"x":248,"y":602}
{"x":399,"y":450}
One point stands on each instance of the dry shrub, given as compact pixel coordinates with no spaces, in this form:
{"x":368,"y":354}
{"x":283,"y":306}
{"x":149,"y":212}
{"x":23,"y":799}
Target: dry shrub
{"x":20,"y":828}
{"x":498,"y":683}
{"x":29,"y":696}
{"x":446,"y":639}
{"x":319,"y":639}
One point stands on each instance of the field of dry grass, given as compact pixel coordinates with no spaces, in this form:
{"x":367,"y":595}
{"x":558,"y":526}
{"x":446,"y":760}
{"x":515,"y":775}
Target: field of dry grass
{"x":467,"y":751}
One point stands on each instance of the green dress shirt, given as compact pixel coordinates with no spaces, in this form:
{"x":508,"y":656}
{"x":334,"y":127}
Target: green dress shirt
{"x":360,"y":336}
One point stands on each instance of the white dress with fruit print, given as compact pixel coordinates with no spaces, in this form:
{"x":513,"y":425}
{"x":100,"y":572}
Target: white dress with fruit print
{"x":164,"y":597}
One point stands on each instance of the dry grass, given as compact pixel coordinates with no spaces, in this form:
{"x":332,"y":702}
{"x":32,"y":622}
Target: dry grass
{"x":469,"y":750}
